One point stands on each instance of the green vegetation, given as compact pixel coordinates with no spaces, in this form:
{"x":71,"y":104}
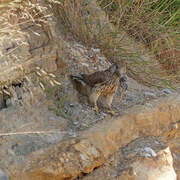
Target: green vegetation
{"x":58,"y":103}
{"x":145,"y":20}
{"x":156,"y":24}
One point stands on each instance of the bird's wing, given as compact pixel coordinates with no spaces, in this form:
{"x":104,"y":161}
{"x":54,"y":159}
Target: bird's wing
{"x":95,"y":78}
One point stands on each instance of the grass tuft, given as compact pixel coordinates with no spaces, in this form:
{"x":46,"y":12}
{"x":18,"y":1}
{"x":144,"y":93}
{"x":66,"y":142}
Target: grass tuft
{"x":153,"y":25}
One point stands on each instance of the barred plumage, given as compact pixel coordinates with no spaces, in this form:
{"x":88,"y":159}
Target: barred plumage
{"x":101,"y":83}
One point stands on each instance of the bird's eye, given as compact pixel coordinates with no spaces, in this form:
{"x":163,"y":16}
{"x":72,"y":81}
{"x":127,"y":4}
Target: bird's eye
{"x":123,"y":79}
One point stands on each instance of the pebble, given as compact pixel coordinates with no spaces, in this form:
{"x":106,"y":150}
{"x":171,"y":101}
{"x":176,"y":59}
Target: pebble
{"x":71,"y":105}
{"x":149,"y":94}
{"x":75,"y":122}
{"x":85,"y":64}
{"x":167,"y":91}
{"x":96,"y":50}
{"x":150,"y":151}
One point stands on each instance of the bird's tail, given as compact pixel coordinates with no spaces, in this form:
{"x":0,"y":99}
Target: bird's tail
{"x":78,"y":79}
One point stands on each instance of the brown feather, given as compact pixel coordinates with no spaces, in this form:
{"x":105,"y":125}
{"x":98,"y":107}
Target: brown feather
{"x":101,"y":83}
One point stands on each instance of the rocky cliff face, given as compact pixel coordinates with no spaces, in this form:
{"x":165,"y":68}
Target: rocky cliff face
{"x":143,"y":158}
{"x":49,"y":131}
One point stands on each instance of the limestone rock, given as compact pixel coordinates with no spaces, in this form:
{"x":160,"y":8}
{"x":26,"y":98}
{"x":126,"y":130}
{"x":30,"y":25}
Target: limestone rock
{"x":143,"y":158}
{"x":38,"y":144}
{"x":25,"y":46}
{"x":73,"y":157}
{"x":150,"y":159}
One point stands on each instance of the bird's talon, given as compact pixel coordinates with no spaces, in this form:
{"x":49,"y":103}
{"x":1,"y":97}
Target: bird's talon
{"x":96,"y":109}
{"x":112,"y":112}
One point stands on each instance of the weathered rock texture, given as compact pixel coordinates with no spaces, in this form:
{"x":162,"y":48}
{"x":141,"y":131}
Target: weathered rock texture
{"x":38,"y":144}
{"x":143,"y":158}
{"x":153,"y":160}
{"x":81,"y":155}
{"x":25,"y":45}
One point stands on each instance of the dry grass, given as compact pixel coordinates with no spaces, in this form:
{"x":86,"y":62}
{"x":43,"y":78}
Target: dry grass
{"x":152,"y":24}
{"x":73,"y":15}
{"x":143,"y":21}
{"x":16,"y":15}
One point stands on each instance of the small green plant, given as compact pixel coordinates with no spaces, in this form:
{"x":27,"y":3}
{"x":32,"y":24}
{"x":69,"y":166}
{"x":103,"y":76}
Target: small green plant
{"x":57,"y":105}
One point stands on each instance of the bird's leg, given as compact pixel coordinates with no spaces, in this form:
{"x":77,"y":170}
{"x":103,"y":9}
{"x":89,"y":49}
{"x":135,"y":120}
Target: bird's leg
{"x":124,"y":87}
{"x":111,"y":111}
{"x":108,"y":101}
{"x":93,"y":100}
{"x":122,"y":95}
{"x":95,"y":108}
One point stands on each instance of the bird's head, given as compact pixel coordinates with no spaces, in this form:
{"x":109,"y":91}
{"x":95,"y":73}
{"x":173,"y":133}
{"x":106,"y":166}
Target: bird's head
{"x":120,"y":70}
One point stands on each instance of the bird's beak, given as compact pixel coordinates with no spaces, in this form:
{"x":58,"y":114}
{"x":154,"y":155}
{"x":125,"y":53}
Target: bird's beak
{"x":123,"y":78}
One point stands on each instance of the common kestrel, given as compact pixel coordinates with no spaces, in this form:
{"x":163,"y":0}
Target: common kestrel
{"x":102,"y":83}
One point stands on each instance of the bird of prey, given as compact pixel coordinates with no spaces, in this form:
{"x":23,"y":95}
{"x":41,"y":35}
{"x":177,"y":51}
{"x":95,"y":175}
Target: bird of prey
{"x":102,"y":83}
